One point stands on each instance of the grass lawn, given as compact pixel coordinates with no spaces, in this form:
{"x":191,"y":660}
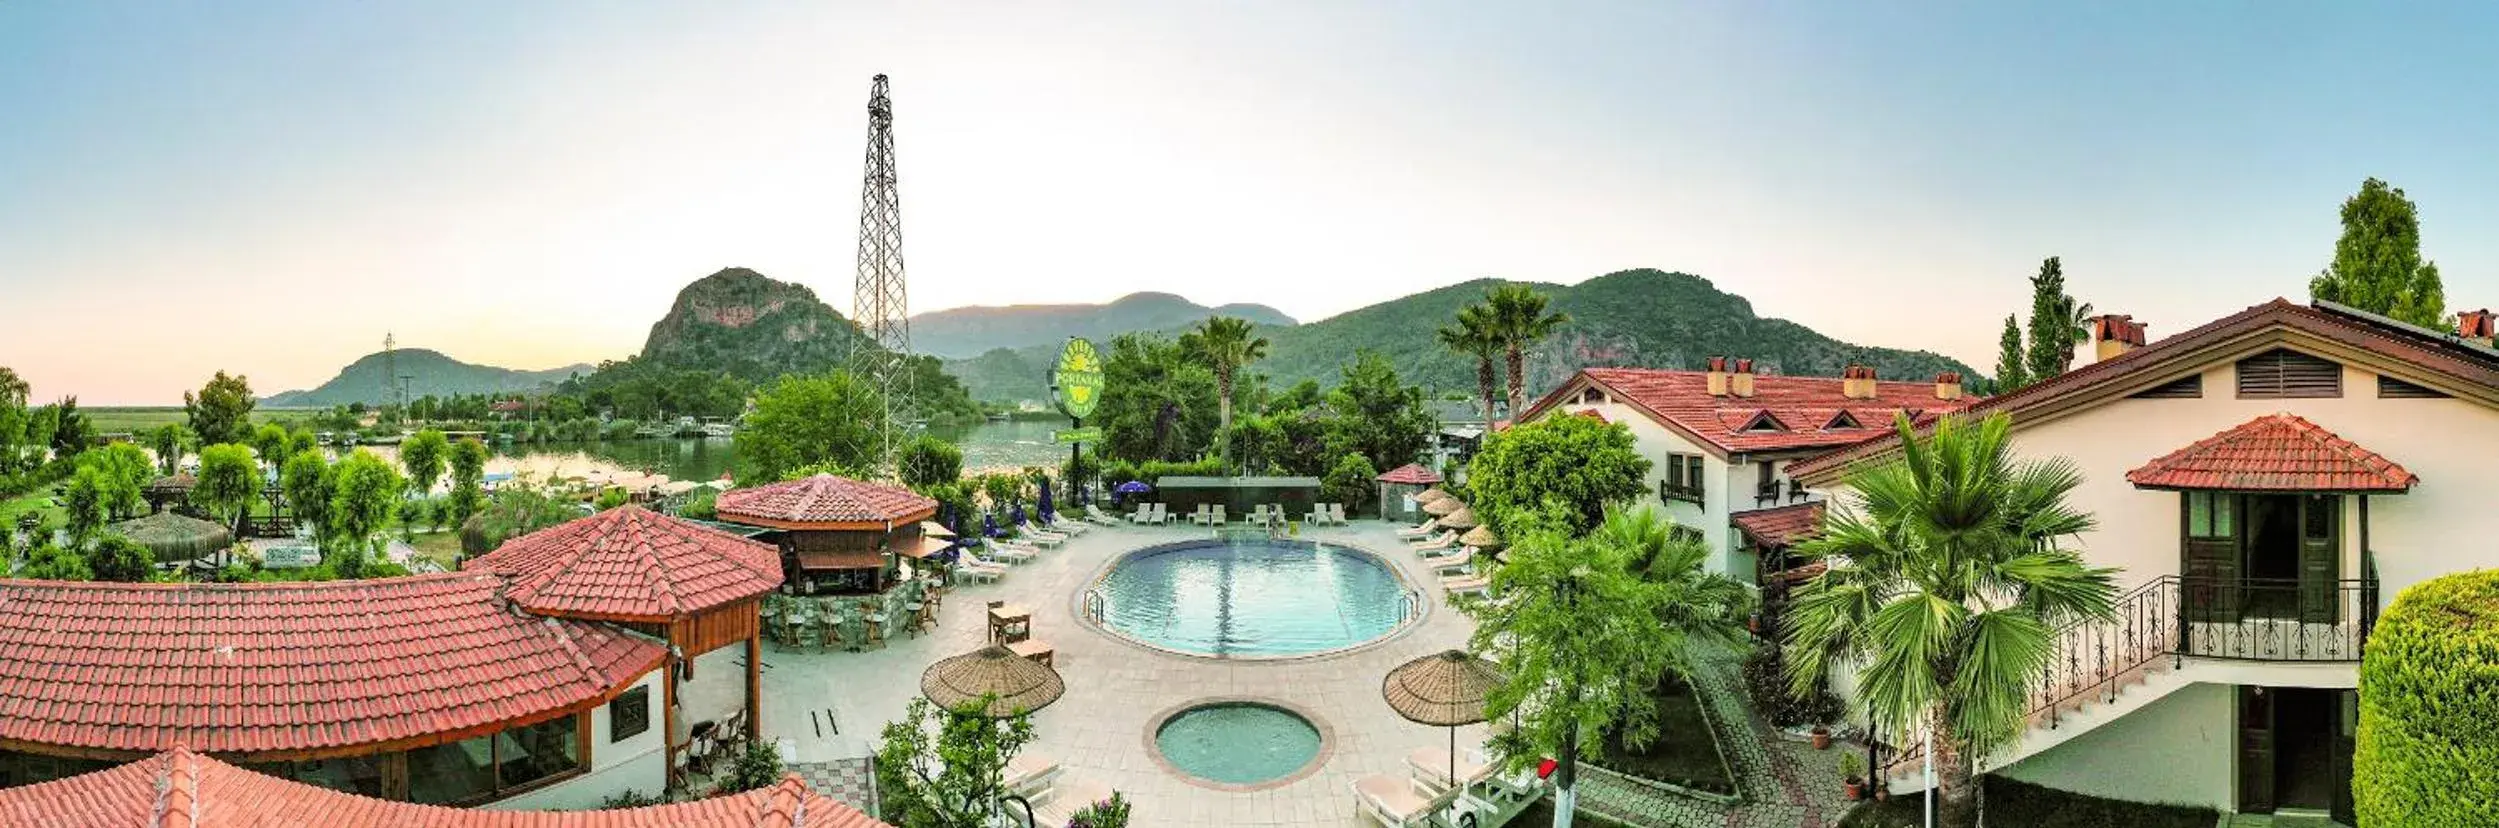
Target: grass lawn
{"x":440,"y":547}
{"x":35,"y":501}
{"x":2017,"y":803}
{"x":139,"y":418}
{"x":1541,"y":814}
{"x":1685,"y":751}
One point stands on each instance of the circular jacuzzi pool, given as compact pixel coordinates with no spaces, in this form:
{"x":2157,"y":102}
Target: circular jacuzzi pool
{"x":1251,"y":598}
{"x":1237,"y":744}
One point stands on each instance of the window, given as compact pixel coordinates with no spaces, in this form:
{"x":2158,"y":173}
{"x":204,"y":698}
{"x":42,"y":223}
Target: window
{"x":2390,"y":388}
{"x":1591,"y":397}
{"x":2183,"y":388}
{"x":2287,"y":374}
{"x":1685,"y":533}
{"x":2211,"y":515}
{"x":1683,"y":479}
{"x":1764,"y":421}
{"x":476,"y":770}
{"x":353,"y":774}
{"x":630,"y":714}
{"x":1842,"y":421}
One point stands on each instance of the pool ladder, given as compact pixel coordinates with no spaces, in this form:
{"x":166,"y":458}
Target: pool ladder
{"x":1093,"y":604}
{"x":1409,"y":603}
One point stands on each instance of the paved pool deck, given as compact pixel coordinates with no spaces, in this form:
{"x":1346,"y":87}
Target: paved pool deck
{"x":831,"y":705}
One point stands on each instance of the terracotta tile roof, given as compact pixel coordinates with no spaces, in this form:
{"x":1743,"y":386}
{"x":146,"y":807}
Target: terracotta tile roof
{"x":629,"y":563}
{"x":1779,"y":527}
{"x":1410,"y":473}
{"x":182,"y":789}
{"x":2430,"y":351}
{"x":2274,"y":453}
{"x":1805,"y":408}
{"x":240,"y":668}
{"x":825,"y":498}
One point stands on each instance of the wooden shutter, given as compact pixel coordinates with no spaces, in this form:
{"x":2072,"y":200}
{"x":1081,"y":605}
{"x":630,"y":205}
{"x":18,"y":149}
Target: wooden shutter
{"x":2286,"y":374}
{"x":2320,"y":558}
{"x":2391,"y":388}
{"x":2184,"y":388}
{"x":2255,"y":749}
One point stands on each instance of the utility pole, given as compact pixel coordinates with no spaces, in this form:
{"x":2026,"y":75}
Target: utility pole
{"x":881,"y":305}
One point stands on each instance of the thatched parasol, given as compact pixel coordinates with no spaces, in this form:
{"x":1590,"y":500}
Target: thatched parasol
{"x":1463,"y":518}
{"x":1443,"y":506}
{"x":1429,"y":495}
{"x":1444,"y":689}
{"x":1015,"y":684}
{"x":174,"y":537}
{"x":1481,"y":537}
{"x":935,"y":530}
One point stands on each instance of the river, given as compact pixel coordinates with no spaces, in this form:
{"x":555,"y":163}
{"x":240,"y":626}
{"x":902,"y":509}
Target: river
{"x":988,"y":446}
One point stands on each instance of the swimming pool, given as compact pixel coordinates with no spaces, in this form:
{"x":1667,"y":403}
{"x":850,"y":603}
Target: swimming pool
{"x":1257,"y":598}
{"x":1237,"y":744}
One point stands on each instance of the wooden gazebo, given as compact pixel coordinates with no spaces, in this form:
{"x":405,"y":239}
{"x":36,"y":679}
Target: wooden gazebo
{"x":699,"y":589}
{"x":836,"y":531}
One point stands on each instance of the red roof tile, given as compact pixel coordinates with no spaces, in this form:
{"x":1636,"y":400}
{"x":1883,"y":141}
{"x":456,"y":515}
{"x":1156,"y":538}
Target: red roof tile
{"x":1410,"y":473}
{"x":1780,"y":527}
{"x":242,"y":668}
{"x":2274,"y":453}
{"x":825,"y":498}
{"x":182,"y":789}
{"x":1803,"y":407}
{"x":628,"y":563}
{"x":2430,"y":351}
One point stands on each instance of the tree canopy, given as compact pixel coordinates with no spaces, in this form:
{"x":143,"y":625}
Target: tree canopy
{"x":363,"y":491}
{"x":221,"y":410}
{"x":1570,"y":468}
{"x":812,"y":419}
{"x":1517,"y":318}
{"x":1157,"y":404}
{"x":468,"y":473}
{"x":927,"y":461}
{"x":423,"y":455}
{"x":2377,"y":264}
{"x":1375,"y":414}
{"x":229,"y":481}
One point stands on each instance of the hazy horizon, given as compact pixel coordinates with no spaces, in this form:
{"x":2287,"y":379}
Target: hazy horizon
{"x":268,"y":188}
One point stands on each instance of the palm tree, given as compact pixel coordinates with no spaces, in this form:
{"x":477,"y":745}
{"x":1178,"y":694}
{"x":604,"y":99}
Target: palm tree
{"x":1518,"y":319}
{"x":1472,"y":335}
{"x":1568,"y":660}
{"x":2077,"y":316}
{"x":1945,"y":588}
{"x":169,"y":441}
{"x":1225,"y":344}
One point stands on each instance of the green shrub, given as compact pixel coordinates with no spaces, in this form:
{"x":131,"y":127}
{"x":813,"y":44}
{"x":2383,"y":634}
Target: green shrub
{"x":2008,"y":802}
{"x":756,"y":767}
{"x":2429,"y":707}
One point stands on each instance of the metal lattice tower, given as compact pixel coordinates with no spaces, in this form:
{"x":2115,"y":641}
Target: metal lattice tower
{"x":390,"y":369}
{"x":881,"y":306}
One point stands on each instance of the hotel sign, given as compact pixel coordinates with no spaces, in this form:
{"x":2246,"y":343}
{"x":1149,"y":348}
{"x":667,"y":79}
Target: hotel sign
{"x":1076,"y":381}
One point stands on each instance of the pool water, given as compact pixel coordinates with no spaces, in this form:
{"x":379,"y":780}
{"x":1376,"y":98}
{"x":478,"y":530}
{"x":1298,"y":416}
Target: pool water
{"x":1252,"y":598}
{"x":1237,"y":743}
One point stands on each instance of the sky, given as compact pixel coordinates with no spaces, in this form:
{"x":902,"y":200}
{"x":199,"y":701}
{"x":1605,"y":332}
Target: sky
{"x":270,"y":187}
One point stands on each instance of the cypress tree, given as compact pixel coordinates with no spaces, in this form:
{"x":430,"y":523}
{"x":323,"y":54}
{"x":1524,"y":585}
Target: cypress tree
{"x":2011,"y":374}
{"x":2050,"y":330}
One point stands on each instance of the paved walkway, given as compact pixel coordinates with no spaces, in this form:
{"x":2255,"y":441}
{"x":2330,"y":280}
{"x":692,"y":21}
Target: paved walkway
{"x":831,"y":705}
{"x":1785,"y":784}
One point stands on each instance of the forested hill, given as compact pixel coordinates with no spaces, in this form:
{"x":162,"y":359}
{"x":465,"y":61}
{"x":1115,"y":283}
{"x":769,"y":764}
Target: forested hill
{"x":429,"y":372}
{"x":1644,"y":318}
{"x":959,"y":333}
{"x":750,"y":326}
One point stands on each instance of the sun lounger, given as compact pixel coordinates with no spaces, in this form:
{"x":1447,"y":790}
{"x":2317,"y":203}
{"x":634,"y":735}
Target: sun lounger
{"x":1469,"y":585}
{"x":1067,"y":799}
{"x":1430,"y":768}
{"x":1064,"y":524}
{"x":1420,"y":529}
{"x":1219,"y":518}
{"x":1464,"y":560}
{"x":1008,"y":554}
{"x":1336,"y":514}
{"x":1030,"y":773}
{"x":1040,"y":537}
{"x":1445,"y":540}
{"x":1097,"y":517}
{"x":973,"y":569}
{"x":1205,"y":515}
{"x":1394,"y":802}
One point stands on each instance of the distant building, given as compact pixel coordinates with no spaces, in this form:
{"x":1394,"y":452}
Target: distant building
{"x":1719,"y":441}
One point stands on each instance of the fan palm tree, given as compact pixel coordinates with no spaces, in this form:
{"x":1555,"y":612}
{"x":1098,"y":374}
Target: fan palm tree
{"x":2077,"y":316}
{"x":1945,"y":588}
{"x":1225,"y":344}
{"x":1518,"y":319}
{"x":1472,"y":335}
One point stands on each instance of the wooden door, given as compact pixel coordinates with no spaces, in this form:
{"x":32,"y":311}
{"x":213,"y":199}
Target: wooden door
{"x":2256,"y":752}
{"x":2346,"y":723}
{"x":2209,"y":524}
{"x":2320,"y":558}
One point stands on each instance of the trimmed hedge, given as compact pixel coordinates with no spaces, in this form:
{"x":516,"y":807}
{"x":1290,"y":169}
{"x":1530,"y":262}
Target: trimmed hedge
{"x":2428,"y":752}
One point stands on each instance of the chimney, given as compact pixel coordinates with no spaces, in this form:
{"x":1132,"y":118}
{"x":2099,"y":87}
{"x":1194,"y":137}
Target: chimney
{"x":1857,"y":382}
{"x":2115,"y":334}
{"x":2476,"y":326}
{"x":1948,"y":385}
{"x":1717,"y":376}
{"x":1741,"y":383}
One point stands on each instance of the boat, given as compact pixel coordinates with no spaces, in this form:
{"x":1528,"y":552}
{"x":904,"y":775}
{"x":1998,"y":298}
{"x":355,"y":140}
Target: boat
{"x":719,"y":430}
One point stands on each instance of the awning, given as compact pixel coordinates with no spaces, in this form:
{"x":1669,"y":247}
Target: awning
{"x":841,"y":560}
{"x":921,"y":547}
{"x":2274,"y":453}
{"x":1779,"y":528}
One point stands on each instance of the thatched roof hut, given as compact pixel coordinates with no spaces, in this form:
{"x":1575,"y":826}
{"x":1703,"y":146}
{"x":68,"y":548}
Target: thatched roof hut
{"x":174,"y":537}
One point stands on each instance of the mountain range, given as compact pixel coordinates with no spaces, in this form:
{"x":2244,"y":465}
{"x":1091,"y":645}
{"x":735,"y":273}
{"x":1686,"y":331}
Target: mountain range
{"x":958,"y":333}
{"x":428,"y":372}
{"x":1645,"y":317}
{"x":751,"y":326}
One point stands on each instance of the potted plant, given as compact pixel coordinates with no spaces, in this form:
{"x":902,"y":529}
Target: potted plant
{"x":1853,"y":775}
{"x":1822,"y":737}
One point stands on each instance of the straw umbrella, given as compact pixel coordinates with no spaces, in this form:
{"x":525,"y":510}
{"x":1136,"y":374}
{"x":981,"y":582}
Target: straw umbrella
{"x":1463,"y":518}
{"x":1444,"y":689}
{"x":1443,"y":506}
{"x":1481,"y":537}
{"x":174,"y":537}
{"x":992,"y":683}
{"x":1431,"y":494}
